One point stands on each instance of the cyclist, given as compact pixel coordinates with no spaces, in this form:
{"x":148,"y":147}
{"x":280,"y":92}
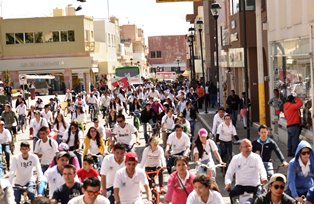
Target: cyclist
{"x":68,"y":97}
{"x":21,"y":112}
{"x":101,"y":129}
{"x":153,"y":158}
{"x":73,"y":158}
{"x":123,"y":132}
{"x":104,"y":103}
{"x":264,"y":146}
{"x":53,"y":105}
{"x":147,"y":116}
{"x":35,"y":125}
{"x":22,"y":168}
{"x":167,"y":123}
{"x":92,"y":102}
{"x":45,"y":148}
{"x":6,"y":192}
{"x":47,"y":114}
{"x":135,"y":110}
{"x":70,"y":189}
{"x":218,"y":119}
{"x":87,"y":170}
{"x":91,"y":188}
{"x":127,"y":182}
{"x":9,"y":118}
{"x":59,"y":127}
{"x":300,"y":172}
{"x":110,"y":165}
{"x":5,"y":140}
{"x":178,"y":144}
{"x":245,"y":165}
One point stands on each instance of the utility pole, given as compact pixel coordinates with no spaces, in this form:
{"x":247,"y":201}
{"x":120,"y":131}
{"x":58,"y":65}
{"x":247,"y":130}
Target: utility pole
{"x":260,"y":62}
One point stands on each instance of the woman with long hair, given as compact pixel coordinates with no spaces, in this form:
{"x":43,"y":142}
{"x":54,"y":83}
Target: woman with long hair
{"x":205,"y":191}
{"x":59,"y":127}
{"x":79,"y":117}
{"x":94,"y":144}
{"x":180,"y":183}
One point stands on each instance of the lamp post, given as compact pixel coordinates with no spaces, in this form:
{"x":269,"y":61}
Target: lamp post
{"x":178,"y":68}
{"x":131,"y":61}
{"x":200,"y":28}
{"x":215,"y":8}
{"x":191,"y":41}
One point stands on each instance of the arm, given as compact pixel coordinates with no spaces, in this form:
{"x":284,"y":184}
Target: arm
{"x":144,"y":157}
{"x":291,"y":177}
{"x":217,"y":156}
{"x":168,"y":196}
{"x":148,"y":193}
{"x":103,"y":185}
{"x":230,"y":172}
{"x":116,"y":196}
{"x":279,"y":154}
{"x":262,"y":170}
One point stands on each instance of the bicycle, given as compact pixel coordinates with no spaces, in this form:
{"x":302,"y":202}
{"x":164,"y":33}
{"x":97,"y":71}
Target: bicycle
{"x":208,"y":169}
{"x":24,"y":193}
{"x":136,"y":119}
{"x":92,"y":111}
{"x":65,"y":107}
{"x":152,"y":177}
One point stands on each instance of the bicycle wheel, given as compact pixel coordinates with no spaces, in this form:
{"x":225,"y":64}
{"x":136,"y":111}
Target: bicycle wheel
{"x":91,"y":114}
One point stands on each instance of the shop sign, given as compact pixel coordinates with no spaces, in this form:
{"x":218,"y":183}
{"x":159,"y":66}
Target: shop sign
{"x":225,"y":37}
{"x":234,"y":37}
{"x":236,"y":57}
{"x":223,"y":59}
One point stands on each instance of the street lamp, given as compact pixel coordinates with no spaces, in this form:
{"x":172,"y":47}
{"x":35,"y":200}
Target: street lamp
{"x":178,"y":68}
{"x":200,"y":28}
{"x":131,"y":61}
{"x":215,"y":8}
{"x":191,"y":45}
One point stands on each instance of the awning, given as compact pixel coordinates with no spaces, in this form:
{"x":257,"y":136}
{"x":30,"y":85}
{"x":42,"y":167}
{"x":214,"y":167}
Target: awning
{"x":95,"y":69}
{"x":186,"y":73}
{"x":39,"y":77}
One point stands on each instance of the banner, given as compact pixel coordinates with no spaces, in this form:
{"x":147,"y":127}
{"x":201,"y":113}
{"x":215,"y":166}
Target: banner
{"x":123,"y":82}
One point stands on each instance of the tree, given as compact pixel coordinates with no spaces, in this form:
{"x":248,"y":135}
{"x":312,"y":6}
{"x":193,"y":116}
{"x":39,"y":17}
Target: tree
{"x":6,"y":77}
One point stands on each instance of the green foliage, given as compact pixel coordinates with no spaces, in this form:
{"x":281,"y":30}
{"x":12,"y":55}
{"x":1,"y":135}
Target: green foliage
{"x":6,"y":77}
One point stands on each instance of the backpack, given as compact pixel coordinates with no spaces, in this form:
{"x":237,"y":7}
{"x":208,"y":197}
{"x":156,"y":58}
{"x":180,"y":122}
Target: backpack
{"x":49,"y":140}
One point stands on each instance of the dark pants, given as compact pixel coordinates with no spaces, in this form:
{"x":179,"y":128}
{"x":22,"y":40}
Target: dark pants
{"x":213,"y":100}
{"x":30,"y":192}
{"x":44,"y":167}
{"x":293,"y":139}
{"x":6,"y":149}
{"x":146,"y":136}
{"x":200,"y":102}
{"x":21,"y":122}
{"x":207,"y":100}
{"x":192,"y":124}
{"x":239,"y":190}
{"x":111,"y":195}
{"x":234,"y":116}
{"x":225,"y":151}
{"x":160,"y":176}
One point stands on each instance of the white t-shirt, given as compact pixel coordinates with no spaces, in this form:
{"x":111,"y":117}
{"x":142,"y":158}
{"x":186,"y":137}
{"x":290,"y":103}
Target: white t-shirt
{"x":47,"y":115}
{"x":80,"y":200}
{"x":130,"y":188}
{"x":124,"y":135}
{"x":80,"y":118}
{"x":213,"y":198}
{"x":109,"y":167}
{"x":102,"y":131}
{"x":226,"y":132}
{"x":48,"y":152}
{"x":209,"y":146}
{"x":23,"y":169}
{"x":105,"y":100}
{"x":178,"y":145}
{"x":93,"y":147}
{"x":217,"y":121}
{"x":154,"y":94}
{"x":54,"y":179}
{"x":5,"y":136}
{"x":153,"y":158}
{"x":37,"y":125}
{"x":167,"y":121}
{"x":21,"y":109}
{"x":62,"y":129}
{"x":72,"y":137}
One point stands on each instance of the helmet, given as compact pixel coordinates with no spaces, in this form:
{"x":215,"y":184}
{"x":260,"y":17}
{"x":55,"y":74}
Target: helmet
{"x":63,"y":147}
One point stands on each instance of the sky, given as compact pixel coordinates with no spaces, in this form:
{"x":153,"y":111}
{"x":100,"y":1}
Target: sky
{"x":154,"y":18}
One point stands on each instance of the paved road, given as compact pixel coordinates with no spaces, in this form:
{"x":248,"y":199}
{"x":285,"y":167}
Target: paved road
{"x":25,"y":137}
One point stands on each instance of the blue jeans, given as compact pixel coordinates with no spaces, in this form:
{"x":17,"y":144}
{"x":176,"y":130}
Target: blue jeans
{"x":6,"y":150}
{"x":30,"y":192}
{"x":234,"y":117}
{"x":293,"y":139}
{"x":192,"y":124}
{"x":146,"y":136}
{"x":225,"y":151}
{"x":213,"y":100}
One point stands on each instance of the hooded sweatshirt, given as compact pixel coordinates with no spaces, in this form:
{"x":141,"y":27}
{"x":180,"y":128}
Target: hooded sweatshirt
{"x":298,"y":184}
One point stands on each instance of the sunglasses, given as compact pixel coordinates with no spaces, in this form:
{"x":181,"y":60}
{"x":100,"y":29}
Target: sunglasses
{"x":119,"y":121}
{"x":279,"y":186}
{"x":92,"y":193}
{"x":305,"y":153}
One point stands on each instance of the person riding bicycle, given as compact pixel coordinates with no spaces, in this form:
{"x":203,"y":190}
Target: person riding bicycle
{"x":21,"y":112}
{"x":300,"y":172}
{"x":123,"y":131}
{"x":147,"y":116}
{"x":6,"y":192}
{"x":35,"y":125}
{"x":264,"y":146}
{"x":104,"y":103}
{"x":5,"y":140}
{"x":167,"y":123}
{"x":110,"y":165}
{"x":9,"y":118}
{"x":22,"y":169}
{"x":153,"y":158}
{"x":47,"y":114}
{"x":92,"y":102}
{"x":135,"y":111}
{"x":249,"y":172}
{"x":203,"y":148}
{"x":68,"y":96}
{"x":63,"y":147}
{"x":178,"y":144}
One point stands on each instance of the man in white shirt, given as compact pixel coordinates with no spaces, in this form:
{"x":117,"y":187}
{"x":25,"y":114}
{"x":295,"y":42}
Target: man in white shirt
{"x":154,"y":93}
{"x":91,"y":191}
{"x":167,"y":123}
{"x":22,"y":169}
{"x":128,"y":180}
{"x":45,"y":148}
{"x":34,"y":126}
{"x":110,"y":165}
{"x":248,"y":169}
{"x":5,"y":140}
{"x":179,"y":144}
{"x":123,"y":132}
{"x":21,"y":112}
{"x":218,"y":119}
{"x":105,"y":102}
{"x":47,"y":114}
{"x":92,"y":102}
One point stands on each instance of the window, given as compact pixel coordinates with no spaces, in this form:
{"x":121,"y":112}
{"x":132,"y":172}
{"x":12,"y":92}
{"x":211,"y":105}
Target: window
{"x":29,"y":37}
{"x":87,"y":37}
{"x":19,"y":38}
{"x":234,"y":6}
{"x":155,"y":54}
{"x":56,"y":36}
{"x":38,"y":37}
{"x":250,"y":5}
{"x":71,"y":37}
{"x":64,"y":36}
{"x":47,"y":37}
{"x":158,"y":54}
{"x":9,"y":38}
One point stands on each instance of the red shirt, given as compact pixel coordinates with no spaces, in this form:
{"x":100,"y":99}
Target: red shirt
{"x":83,"y":174}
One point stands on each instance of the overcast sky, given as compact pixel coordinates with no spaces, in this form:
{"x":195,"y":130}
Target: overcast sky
{"x":155,"y":19}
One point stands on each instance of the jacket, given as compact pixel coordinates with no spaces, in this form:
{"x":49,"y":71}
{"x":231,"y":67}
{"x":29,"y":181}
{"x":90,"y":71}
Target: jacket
{"x":266,"y":148}
{"x":292,"y":112}
{"x":297,"y":183}
{"x":87,"y":144}
{"x":175,"y":192}
{"x":192,"y":113}
{"x":266,"y":199}
{"x":146,"y":116}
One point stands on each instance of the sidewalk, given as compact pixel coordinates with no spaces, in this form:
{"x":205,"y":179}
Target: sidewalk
{"x":207,"y":121}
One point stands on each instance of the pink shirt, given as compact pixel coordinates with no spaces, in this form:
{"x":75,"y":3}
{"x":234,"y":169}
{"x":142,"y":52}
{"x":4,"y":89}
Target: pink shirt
{"x":175,"y":192}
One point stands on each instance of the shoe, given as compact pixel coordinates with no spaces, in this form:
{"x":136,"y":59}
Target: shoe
{"x":162,"y":190}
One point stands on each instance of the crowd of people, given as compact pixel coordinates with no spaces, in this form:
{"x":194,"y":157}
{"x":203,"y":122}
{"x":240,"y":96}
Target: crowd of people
{"x":76,"y":163}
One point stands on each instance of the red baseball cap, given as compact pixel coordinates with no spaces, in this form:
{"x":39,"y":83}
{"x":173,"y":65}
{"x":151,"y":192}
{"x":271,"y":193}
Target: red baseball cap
{"x":131,"y":155}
